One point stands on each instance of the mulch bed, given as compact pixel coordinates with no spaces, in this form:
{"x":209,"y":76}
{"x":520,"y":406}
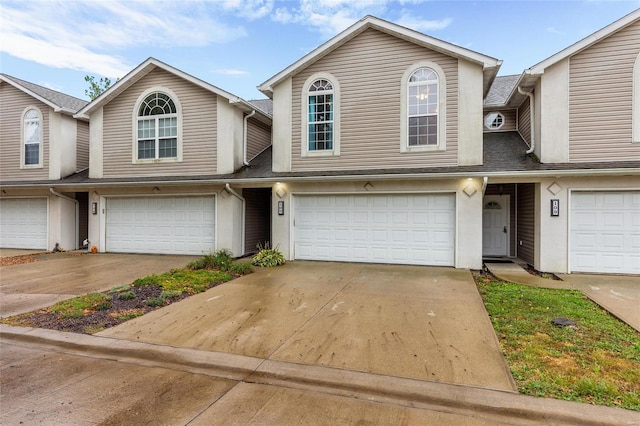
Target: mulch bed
{"x":17,"y":260}
{"x":94,"y":321}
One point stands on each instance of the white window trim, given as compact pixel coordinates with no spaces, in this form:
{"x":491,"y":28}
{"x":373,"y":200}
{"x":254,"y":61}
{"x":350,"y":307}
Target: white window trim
{"x":494,"y":128}
{"x":442,"y":109}
{"x":635,"y":110}
{"x":22,"y":144}
{"x":134,"y":127}
{"x":335,"y":152}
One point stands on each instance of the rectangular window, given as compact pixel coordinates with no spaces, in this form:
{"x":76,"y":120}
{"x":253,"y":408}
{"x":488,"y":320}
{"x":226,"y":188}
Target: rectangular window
{"x":32,"y":154}
{"x":320,"y":122}
{"x":168,"y":148}
{"x":146,"y":149}
{"x":423,"y":130}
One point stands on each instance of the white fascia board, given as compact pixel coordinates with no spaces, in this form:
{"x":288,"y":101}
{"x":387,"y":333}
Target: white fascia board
{"x":585,"y":42}
{"x":487,"y":62}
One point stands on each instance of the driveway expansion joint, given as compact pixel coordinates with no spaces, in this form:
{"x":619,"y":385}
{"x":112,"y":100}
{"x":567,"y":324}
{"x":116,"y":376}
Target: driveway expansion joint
{"x":496,"y":405}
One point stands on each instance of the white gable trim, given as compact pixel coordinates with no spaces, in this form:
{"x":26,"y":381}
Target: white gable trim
{"x":585,"y":42}
{"x":386,"y":27}
{"x":56,"y":108}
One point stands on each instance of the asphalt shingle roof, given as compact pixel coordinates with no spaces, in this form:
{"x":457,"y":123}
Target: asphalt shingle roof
{"x":265,"y":105}
{"x":500,"y":89}
{"x":57,"y":98}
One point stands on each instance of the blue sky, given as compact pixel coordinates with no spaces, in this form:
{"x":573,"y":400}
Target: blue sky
{"x":238,"y":44}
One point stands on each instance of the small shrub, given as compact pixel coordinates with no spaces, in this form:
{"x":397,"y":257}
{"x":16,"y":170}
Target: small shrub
{"x":241,"y":268}
{"x":170,"y":294}
{"x":268,"y":257}
{"x":219,"y":259}
{"x":155,"y":301}
{"x":152,"y":279}
{"x":119,"y":289}
{"x":126,"y":295}
{"x":127,"y":314}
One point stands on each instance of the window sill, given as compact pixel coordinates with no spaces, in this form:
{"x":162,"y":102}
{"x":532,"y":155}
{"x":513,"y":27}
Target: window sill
{"x":426,"y":148}
{"x":325,"y":153}
{"x":30,"y":166}
{"x":157,"y":161}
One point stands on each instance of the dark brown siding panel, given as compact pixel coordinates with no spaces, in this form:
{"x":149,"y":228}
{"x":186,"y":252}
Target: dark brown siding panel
{"x":258,"y":137}
{"x":83,"y":221}
{"x":526,"y":221}
{"x":257,"y":218}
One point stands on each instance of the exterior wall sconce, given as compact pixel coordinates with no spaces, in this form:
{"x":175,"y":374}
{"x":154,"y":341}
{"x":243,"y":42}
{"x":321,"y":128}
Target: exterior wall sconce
{"x":368,"y":186}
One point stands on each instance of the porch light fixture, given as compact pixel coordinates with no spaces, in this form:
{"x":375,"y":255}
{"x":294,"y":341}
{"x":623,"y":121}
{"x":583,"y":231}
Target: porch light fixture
{"x":470,"y":190}
{"x":554,"y":188}
{"x":156,"y":190}
{"x":280,"y":192}
{"x":368,"y":186}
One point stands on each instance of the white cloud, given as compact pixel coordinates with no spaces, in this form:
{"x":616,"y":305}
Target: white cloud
{"x":231,"y":72}
{"x":250,"y":9}
{"x":329,"y":17}
{"x":554,"y":30}
{"x":84,"y":35}
{"x":422,"y":25}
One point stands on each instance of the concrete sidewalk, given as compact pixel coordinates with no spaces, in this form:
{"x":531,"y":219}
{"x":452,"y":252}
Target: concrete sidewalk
{"x":237,"y":389}
{"x":618,"y":294}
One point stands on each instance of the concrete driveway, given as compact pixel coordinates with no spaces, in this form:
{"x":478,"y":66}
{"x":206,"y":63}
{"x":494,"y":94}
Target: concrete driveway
{"x":58,"y":276}
{"x":415,"y":322}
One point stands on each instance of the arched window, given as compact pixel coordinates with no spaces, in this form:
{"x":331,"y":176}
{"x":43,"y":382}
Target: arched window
{"x":321,"y":116}
{"x":157,"y":132}
{"x":31,"y":137}
{"x":423,"y":108}
{"x":320,"y":120}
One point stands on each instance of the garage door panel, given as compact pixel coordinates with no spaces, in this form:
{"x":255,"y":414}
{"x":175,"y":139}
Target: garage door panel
{"x":376,"y":228}
{"x":163,"y":225}
{"x":23,"y":223}
{"x":605,"y":232}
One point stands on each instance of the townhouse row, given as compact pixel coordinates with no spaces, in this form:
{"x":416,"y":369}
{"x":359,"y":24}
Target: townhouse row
{"x":383,"y":145}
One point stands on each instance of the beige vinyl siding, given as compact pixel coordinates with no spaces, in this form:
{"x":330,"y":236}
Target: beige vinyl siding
{"x":526,"y":221}
{"x":510,"y":121}
{"x":258,"y":137}
{"x":82,"y":145}
{"x":600,"y":96}
{"x":12,"y":105}
{"x":199,"y":130}
{"x":369,"y":70}
{"x":524,"y":121}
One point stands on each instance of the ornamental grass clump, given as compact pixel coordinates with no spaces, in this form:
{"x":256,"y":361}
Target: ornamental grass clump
{"x":268,"y":257}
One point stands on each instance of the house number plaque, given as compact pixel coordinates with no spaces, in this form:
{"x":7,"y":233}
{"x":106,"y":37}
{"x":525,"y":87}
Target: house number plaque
{"x":555,"y":207}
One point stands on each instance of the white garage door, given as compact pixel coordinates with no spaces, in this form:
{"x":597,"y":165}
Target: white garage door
{"x":23,"y":223}
{"x":164,"y":225}
{"x":605,"y":232}
{"x":417,"y":229}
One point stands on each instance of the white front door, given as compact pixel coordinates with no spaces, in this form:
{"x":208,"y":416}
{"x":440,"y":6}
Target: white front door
{"x":495,"y":225}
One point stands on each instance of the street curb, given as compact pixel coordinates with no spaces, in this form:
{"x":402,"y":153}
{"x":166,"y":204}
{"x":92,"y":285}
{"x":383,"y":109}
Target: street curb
{"x":493,"y":405}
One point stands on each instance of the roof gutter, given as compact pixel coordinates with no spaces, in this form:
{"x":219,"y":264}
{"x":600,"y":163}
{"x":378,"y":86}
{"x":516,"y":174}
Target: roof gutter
{"x":532,"y":147}
{"x":244,"y":137}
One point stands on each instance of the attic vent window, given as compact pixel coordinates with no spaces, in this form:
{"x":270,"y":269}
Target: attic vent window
{"x":494,"y":120}
{"x":492,"y":205}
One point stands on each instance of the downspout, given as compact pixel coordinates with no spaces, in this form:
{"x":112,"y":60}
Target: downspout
{"x":77,"y":219}
{"x":230,"y":190}
{"x":244,"y":137}
{"x":531,"y":117}
{"x":485,"y":181}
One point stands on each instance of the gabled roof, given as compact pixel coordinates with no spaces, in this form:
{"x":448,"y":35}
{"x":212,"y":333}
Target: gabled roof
{"x":265,"y":105}
{"x":501,"y":89}
{"x":151,"y":64}
{"x":489,"y":64}
{"x":585,"y":42}
{"x":56,"y":100}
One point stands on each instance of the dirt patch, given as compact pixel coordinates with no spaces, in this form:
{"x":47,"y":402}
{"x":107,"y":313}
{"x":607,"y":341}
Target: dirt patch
{"x":547,"y":275}
{"x":17,"y":260}
{"x":146,"y":298}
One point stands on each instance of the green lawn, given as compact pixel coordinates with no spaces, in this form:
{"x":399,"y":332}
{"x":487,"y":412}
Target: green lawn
{"x":597,"y":361}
